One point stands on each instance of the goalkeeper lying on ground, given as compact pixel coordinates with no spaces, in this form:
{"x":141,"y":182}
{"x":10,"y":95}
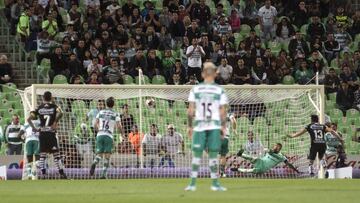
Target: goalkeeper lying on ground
{"x":266,"y":162}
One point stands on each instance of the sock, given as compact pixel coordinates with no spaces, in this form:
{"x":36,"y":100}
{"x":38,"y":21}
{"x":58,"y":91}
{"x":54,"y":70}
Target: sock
{"x":106,"y":166}
{"x":42,"y":162}
{"x":97,"y":159}
{"x":58,"y":162}
{"x":222,"y":168}
{"x":248,"y":157}
{"x":28,"y":168}
{"x":213,"y":165}
{"x":246,"y":170}
{"x":195,"y":165}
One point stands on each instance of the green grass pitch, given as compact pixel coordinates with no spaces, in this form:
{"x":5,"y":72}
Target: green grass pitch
{"x":171,"y":191}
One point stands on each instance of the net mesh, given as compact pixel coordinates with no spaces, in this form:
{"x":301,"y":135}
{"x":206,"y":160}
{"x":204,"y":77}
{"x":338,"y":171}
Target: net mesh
{"x":269,"y":113}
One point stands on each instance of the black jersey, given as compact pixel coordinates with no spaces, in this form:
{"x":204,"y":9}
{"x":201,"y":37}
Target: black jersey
{"x":316,"y":132}
{"x":47,"y":114}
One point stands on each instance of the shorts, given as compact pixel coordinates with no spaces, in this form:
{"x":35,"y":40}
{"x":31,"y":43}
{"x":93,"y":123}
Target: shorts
{"x":104,"y":144}
{"x":48,"y":142}
{"x":224,"y":148}
{"x":32,"y":148}
{"x":317,"y":148}
{"x":208,"y":139}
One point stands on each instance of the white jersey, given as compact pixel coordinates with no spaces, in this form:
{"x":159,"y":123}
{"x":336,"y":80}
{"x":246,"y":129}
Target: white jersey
{"x":267,"y":15}
{"x":172,"y":143}
{"x":195,"y":59}
{"x":29,"y":133}
{"x":152,"y":143}
{"x":107,"y":122}
{"x":254,"y":148}
{"x":208,"y":99}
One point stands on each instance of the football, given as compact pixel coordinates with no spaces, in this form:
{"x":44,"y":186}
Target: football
{"x":150,"y":103}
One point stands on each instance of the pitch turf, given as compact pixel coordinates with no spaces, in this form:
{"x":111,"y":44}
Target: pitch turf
{"x":171,"y":191}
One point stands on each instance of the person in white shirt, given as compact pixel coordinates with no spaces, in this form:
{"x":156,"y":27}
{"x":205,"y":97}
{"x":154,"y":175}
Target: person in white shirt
{"x":267,"y":15}
{"x":194,"y":54}
{"x":92,"y":3}
{"x":170,"y":144}
{"x":151,"y":146}
{"x":94,"y":66}
{"x":225,"y":72}
{"x":253,"y":146}
{"x":113,"y":7}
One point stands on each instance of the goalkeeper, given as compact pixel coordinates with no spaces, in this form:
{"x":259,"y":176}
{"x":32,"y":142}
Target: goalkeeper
{"x":265,"y":163}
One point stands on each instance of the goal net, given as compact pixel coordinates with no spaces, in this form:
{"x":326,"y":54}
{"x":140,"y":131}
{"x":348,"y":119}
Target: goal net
{"x":264,"y":115}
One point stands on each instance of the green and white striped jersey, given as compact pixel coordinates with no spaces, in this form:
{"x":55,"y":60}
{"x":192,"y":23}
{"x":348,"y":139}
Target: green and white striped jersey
{"x":208,"y":99}
{"x":29,"y":133}
{"x":332,"y":142}
{"x":107,"y":122}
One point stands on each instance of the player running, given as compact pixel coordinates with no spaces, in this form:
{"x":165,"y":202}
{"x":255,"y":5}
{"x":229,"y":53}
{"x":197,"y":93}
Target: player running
{"x":106,"y":120}
{"x":31,"y":147}
{"x":49,"y":115}
{"x":318,"y":146}
{"x":265,"y":163}
{"x":207,"y":102}
{"x":224,"y":148}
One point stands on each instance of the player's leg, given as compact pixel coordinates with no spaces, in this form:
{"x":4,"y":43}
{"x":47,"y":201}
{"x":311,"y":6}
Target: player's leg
{"x":198,"y":145}
{"x":29,"y":151}
{"x":54,"y":147}
{"x":100,"y":147}
{"x":224,"y":149}
{"x":108,"y":144}
{"x":213,"y":143}
{"x":43,"y":139}
{"x":311,"y":157}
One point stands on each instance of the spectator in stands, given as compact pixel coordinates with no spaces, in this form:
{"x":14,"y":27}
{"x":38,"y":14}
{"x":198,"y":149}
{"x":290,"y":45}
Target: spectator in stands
{"x":342,"y":37}
{"x":16,"y":10}
{"x":341,"y":18}
{"x":234,"y":21}
{"x":253,"y":146}
{"x":75,"y":66}
{"x":241,"y":73}
{"x":6,"y":71}
{"x":155,"y":66}
{"x":94,"y":66}
{"x":193,"y":32}
{"x":225,"y":72}
{"x":95,"y":4}
{"x":165,"y":17}
{"x":170,"y":144}
{"x":13,"y":141}
{"x":194,"y":54}
{"x":128,"y":8}
{"x":135,"y":139}
{"x":257,"y":51}
{"x":357,"y":62}
{"x":357,"y":98}
{"x":331,"y":47}
{"x":112,"y":73}
{"x":202,"y":14}
{"x":348,"y":76}
{"x":258,"y":72}
{"x":284,"y":30}
{"x":222,"y":27}
{"x":177,"y":28}
{"x":251,"y":13}
{"x":50,"y":25}
{"x":152,"y":19}
{"x":93,"y":79}
{"x":344,"y":97}
{"x":168,"y":61}
{"x":267,"y":17}
{"x":273,"y":73}
{"x":113,"y":7}
{"x":151,"y":144}
{"x":298,"y":48}
{"x":43,"y":46}
{"x":315,"y":29}
{"x":303,"y":75}
{"x":23,"y":26}
{"x":192,"y":80}
{"x":58,"y":64}
{"x":355,"y":28}
{"x":300,"y":14}
{"x":178,"y":74}
{"x":251,"y":40}
{"x":331,"y":82}
{"x":75,"y":16}
{"x":330,"y":26}
{"x":284,"y":62}
{"x":135,"y":19}
{"x":138,"y":62}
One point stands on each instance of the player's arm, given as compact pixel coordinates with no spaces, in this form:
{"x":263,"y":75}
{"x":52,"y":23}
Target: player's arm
{"x":297,"y":134}
{"x":97,"y":122}
{"x":291,"y":166}
{"x":223,"y":119}
{"x":30,"y":118}
{"x":233,"y":124}
{"x":190,"y":116}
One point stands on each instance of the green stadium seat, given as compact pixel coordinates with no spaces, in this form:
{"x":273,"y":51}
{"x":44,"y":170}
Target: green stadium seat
{"x":245,"y":30}
{"x":336,"y":113}
{"x":332,"y":97}
{"x":238,"y":38}
{"x":9,"y":87}
{"x":303,"y":29}
{"x":243,"y":124}
{"x":275,"y":47}
{"x":288,"y":80}
{"x":144,"y":80}
{"x":60,"y":79}
{"x":158,"y":80}
{"x":128,"y":79}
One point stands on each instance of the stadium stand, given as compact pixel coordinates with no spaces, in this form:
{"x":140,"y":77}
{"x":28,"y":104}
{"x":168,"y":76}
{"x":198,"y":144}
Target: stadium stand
{"x":43,"y":37}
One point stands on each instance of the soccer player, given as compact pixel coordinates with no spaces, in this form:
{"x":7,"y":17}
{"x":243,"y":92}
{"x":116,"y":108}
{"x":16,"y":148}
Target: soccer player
{"x":224,"y":148}
{"x":49,"y":115}
{"x":207,"y":103}
{"x":106,"y":120}
{"x":332,"y":141}
{"x":265,"y":163}
{"x":318,"y":146}
{"x":31,"y":147}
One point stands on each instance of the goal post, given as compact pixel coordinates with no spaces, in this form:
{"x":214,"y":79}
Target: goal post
{"x":269,"y":112}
